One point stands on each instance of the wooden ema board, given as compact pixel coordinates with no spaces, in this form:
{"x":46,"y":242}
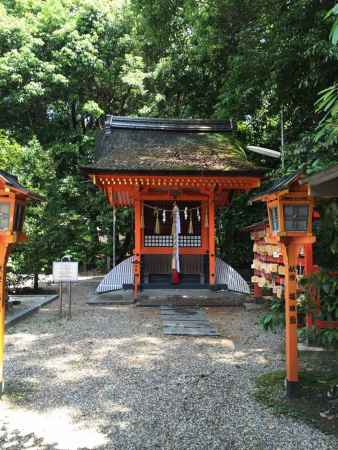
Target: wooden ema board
{"x":269,"y":264}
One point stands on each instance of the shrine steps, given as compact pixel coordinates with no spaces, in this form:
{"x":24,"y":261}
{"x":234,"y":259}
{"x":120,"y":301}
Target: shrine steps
{"x":172,"y":297}
{"x":181,"y":286}
{"x":122,"y":275}
{"x":190,"y":297}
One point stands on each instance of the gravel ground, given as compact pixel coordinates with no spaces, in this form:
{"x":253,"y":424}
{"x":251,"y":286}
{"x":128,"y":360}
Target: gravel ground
{"x":110,"y":379}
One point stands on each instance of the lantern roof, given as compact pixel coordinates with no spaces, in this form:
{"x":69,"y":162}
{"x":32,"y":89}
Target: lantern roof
{"x":279,"y":185}
{"x":11,"y":182}
{"x":257,"y":225}
{"x":166,"y":145}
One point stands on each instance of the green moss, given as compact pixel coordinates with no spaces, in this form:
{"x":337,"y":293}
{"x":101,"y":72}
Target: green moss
{"x":312,"y":398}
{"x":19,"y":392}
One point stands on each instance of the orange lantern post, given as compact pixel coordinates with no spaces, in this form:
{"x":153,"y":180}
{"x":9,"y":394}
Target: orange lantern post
{"x":13,"y":199}
{"x":290,"y":217}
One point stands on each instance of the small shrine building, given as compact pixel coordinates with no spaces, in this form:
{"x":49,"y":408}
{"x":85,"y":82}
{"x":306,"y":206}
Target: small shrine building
{"x":174,"y":174}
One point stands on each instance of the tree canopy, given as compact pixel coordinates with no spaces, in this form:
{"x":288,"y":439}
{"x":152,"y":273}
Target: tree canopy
{"x":64,"y":64}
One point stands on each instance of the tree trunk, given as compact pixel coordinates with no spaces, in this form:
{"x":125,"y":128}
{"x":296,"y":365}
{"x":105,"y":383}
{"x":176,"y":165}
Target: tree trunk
{"x":36,"y":282}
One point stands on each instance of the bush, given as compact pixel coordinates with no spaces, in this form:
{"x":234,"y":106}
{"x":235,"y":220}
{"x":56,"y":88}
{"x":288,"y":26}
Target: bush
{"x":275,"y":319}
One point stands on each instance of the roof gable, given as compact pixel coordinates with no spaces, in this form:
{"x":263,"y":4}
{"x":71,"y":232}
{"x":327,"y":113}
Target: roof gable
{"x":169,"y":145}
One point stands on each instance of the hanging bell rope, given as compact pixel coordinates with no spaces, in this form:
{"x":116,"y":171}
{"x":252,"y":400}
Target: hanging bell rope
{"x":195,"y":208}
{"x":190,"y":228}
{"x":173,"y":226}
{"x":206,"y":219}
{"x":157,"y":221}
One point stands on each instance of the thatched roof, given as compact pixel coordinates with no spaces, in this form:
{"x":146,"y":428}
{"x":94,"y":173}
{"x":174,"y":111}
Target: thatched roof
{"x":169,"y":145}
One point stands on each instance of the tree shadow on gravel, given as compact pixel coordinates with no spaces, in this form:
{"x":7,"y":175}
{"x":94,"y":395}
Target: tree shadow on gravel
{"x":14,"y":439}
{"x":135,"y":387}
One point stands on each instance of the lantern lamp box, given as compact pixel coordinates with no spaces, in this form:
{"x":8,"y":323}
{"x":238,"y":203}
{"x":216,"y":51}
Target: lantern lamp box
{"x":289,"y":207}
{"x":65,"y":271}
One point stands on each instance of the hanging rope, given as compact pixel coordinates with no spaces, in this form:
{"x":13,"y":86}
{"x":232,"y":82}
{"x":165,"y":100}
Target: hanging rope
{"x":188,"y":214}
{"x":176,"y":230}
{"x":195,"y":208}
{"x":206,"y":219}
{"x":191,"y":228}
{"x":157,"y":221}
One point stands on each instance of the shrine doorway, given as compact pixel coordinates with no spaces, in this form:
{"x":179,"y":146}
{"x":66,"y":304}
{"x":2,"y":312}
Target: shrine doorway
{"x":156,"y":263}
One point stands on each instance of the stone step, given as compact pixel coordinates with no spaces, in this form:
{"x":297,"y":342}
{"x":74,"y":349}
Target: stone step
{"x":180,"y":321}
{"x":190,"y":298}
{"x":112,"y":298}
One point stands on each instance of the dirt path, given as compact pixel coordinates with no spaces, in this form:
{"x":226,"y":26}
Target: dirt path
{"x":110,"y":379}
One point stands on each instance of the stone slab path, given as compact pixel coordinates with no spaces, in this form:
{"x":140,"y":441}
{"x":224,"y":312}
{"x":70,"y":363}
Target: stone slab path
{"x":28,"y":304}
{"x":181,"y":321}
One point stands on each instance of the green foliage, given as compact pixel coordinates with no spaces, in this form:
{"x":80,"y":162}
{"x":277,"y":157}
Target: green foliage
{"x":326,"y":249}
{"x":327,"y":104}
{"x":275,"y":62}
{"x":275,"y":318}
{"x":325,"y":337}
{"x":315,"y":383}
{"x":326,"y":285}
{"x":234,"y":244}
{"x":64,"y":64}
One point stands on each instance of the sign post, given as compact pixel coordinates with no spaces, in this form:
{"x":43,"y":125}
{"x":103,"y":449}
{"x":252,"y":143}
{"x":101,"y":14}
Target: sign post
{"x":65,"y":271}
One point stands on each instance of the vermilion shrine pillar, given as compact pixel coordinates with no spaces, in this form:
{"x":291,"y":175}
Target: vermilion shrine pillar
{"x":290,"y":253}
{"x":4,"y":251}
{"x":138,"y":245}
{"x":212,"y":244}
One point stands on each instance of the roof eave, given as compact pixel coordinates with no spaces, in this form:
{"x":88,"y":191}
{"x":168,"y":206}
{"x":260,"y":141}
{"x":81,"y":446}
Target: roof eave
{"x":257,"y":172}
{"x":271,"y":191}
{"x":322,"y":177}
{"x":19,"y":189}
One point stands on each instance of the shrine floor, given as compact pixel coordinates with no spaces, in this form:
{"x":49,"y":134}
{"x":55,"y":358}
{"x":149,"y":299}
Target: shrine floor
{"x":109,"y":379}
{"x":162,"y":297}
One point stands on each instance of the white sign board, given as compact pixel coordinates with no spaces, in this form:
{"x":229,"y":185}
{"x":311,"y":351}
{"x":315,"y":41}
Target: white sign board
{"x":65,"y":271}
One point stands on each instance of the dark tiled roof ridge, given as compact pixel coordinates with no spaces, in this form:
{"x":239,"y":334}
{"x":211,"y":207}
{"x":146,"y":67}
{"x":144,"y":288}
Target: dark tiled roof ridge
{"x":181,"y":125}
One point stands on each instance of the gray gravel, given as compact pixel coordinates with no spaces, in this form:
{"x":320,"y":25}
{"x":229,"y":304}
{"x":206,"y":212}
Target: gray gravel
{"x":110,"y":379}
